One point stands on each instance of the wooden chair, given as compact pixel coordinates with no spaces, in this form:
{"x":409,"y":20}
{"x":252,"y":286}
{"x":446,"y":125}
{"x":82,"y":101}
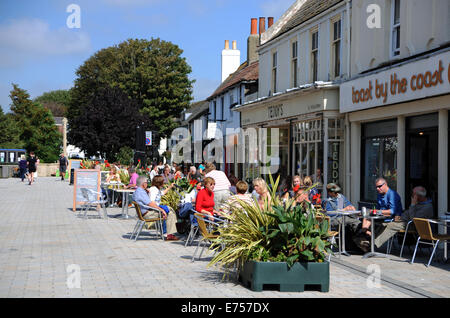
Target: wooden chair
{"x":147,"y":222}
{"x":424,"y":230}
{"x":207,"y":234}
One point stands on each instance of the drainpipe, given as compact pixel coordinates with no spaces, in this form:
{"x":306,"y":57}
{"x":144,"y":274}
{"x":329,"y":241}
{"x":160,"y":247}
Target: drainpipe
{"x":347,"y":5}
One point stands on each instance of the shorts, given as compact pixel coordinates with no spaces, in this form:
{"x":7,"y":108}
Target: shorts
{"x":62,"y":169}
{"x":31,"y":170}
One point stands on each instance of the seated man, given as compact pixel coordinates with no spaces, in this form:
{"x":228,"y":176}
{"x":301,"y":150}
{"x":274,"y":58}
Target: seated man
{"x":338,"y":202}
{"x":388,"y":201}
{"x":420,"y":207}
{"x":141,"y":197}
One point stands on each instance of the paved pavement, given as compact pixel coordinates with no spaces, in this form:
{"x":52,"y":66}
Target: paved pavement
{"x":43,"y":245}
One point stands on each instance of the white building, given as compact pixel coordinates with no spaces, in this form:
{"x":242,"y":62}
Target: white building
{"x":397,"y":100}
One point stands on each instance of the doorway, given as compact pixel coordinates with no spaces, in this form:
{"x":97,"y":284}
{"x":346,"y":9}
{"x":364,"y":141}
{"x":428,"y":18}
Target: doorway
{"x":422,"y":157}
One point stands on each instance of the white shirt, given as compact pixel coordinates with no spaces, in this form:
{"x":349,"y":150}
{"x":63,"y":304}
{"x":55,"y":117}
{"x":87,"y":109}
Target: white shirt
{"x":153,"y":174}
{"x":222,"y":182}
{"x":155,"y":195}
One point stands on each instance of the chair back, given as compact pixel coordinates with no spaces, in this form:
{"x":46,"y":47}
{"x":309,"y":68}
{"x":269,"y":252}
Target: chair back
{"x":321,"y":218}
{"x":85,"y":193}
{"x":202,"y":224}
{"x":423,"y":228}
{"x":138,"y":211}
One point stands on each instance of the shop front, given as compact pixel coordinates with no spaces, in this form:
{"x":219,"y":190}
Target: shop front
{"x":309,"y":132}
{"x":399,"y":130}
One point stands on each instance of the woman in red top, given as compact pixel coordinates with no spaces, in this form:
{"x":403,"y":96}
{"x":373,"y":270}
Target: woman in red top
{"x":205,"y":198}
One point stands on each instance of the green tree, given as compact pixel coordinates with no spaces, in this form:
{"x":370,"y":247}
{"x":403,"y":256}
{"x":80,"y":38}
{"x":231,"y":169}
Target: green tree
{"x":9,"y":131}
{"x":56,"y":101}
{"x":151,"y":72}
{"x":36,"y":126}
{"x":125,"y":156}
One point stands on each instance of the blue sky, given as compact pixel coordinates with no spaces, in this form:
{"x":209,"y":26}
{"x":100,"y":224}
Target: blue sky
{"x":40,"y":53}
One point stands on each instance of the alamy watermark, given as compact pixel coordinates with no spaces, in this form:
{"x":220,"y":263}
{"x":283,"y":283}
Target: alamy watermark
{"x":73,"y":276}
{"x":74,"y":19}
{"x":374,"y":278}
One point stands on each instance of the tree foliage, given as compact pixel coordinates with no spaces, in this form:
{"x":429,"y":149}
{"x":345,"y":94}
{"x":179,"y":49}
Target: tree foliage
{"x":9,"y":131}
{"x":152,"y":73}
{"x":36,"y":126}
{"x":106,"y":123}
{"x":56,"y":101}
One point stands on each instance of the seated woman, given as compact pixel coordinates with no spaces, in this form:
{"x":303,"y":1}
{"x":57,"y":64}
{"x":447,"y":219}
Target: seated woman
{"x":155,"y":193}
{"x":302,"y":197}
{"x":205,"y":199}
{"x":233,"y":202}
{"x":261,"y":189}
{"x":293,"y":189}
{"x":133,"y":178}
{"x":112,"y":177}
{"x":314,"y":195}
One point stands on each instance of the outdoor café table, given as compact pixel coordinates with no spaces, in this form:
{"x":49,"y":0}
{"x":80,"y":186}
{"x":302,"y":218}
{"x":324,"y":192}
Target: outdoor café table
{"x":125,"y":202}
{"x":372,"y":252}
{"x":343,"y":214}
{"x":114,"y":187}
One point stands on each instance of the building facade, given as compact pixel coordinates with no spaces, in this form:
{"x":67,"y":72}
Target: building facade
{"x":302,"y":59}
{"x":397,"y":100}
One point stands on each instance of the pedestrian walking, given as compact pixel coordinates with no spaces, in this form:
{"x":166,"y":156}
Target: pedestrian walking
{"x":63,"y":162}
{"x":32,"y":163}
{"x":22,"y":167}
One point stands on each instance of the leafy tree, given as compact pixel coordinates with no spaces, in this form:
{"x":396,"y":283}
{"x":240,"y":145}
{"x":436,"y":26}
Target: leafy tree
{"x":125,"y":156}
{"x":56,"y":101}
{"x":106,"y":123}
{"x":151,"y":72}
{"x":9,"y":131}
{"x":36,"y":126}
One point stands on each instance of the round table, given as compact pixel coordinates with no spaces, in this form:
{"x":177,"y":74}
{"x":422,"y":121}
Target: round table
{"x":343,"y":214}
{"x":125,"y":202}
{"x":372,"y":252}
{"x":114,"y":187}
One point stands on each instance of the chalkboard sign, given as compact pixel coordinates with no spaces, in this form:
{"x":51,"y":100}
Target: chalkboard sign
{"x":89,"y":179}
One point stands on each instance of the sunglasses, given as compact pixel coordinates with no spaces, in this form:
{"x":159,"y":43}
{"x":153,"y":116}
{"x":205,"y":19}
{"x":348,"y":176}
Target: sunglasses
{"x":379,"y":186}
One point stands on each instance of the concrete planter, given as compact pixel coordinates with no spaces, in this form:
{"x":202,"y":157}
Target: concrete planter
{"x":257,"y":274}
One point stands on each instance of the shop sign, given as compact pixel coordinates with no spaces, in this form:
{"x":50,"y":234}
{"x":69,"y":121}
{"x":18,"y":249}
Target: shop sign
{"x":424,"y":78}
{"x":335,"y":162}
{"x":275,"y":111}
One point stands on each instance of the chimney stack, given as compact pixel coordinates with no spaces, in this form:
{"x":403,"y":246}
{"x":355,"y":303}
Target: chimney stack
{"x":231,"y":59}
{"x":270,"y":22}
{"x":254,"y":26}
{"x":262,"y":25}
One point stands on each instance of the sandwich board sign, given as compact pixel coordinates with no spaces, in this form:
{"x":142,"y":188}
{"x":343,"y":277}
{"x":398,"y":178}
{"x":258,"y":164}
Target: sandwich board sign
{"x":88,"y":179}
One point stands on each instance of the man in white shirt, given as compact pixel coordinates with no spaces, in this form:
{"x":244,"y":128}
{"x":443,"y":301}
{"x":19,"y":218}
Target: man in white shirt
{"x":222,"y":188}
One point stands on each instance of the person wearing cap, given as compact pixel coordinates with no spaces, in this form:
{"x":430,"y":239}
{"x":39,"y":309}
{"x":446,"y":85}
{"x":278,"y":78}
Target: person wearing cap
{"x":338,"y":202}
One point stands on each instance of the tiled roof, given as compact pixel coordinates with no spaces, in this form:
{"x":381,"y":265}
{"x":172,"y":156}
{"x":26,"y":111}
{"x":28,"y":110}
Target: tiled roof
{"x":245,"y":73}
{"x":196,"y":110}
{"x":308,"y":10}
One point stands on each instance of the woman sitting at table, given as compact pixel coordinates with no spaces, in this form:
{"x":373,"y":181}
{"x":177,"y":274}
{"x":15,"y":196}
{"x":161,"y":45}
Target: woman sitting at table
{"x":133,"y":178}
{"x":113,"y":176}
{"x":261,"y":190}
{"x":205,"y":199}
{"x":155,"y":193}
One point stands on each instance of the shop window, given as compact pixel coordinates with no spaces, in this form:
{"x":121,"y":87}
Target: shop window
{"x":308,"y":153}
{"x":380,"y":157}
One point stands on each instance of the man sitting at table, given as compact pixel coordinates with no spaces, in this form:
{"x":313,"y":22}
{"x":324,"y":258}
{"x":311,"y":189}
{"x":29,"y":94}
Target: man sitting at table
{"x":421,"y":207}
{"x":133,"y":178}
{"x":388,"y":201}
{"x":142,"y":197}
{"x":338,"y":202}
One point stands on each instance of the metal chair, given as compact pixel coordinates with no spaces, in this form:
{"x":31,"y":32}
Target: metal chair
{"x":424,"y":230}
{"x":147,"y":222}
{"x":91,"y":199}
{"x":207,"y":234}
{"x":192,"y":232}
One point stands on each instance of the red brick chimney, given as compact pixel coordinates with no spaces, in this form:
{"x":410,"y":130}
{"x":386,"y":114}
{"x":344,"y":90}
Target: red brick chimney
{"x":270,"y":22}
{"x":262,"y":25}
{"x":254,"y":26}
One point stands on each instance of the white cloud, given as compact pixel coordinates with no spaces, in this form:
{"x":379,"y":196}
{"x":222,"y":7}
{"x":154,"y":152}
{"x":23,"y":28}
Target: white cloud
{"x":276,"y":8}
{"x":24,"y":39}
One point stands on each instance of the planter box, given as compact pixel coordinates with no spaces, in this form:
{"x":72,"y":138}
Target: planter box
{"x":257,"y":274}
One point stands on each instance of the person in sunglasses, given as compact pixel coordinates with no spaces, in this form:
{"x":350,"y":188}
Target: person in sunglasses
{"x":388,"y":201}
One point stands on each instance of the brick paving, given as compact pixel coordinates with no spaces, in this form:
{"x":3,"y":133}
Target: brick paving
{"x":40,"y":238}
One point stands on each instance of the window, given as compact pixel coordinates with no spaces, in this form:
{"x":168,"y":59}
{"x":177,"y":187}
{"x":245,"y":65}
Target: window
{"x":380,"y":156}
{"x":214,"y":110}
{"x":222,"y":104}
{"x":314,"y":55}
{"x":395,"y":44}
{"x":274,"y":72}
{"x":294,"y":64}
{"x":336,"y":48}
